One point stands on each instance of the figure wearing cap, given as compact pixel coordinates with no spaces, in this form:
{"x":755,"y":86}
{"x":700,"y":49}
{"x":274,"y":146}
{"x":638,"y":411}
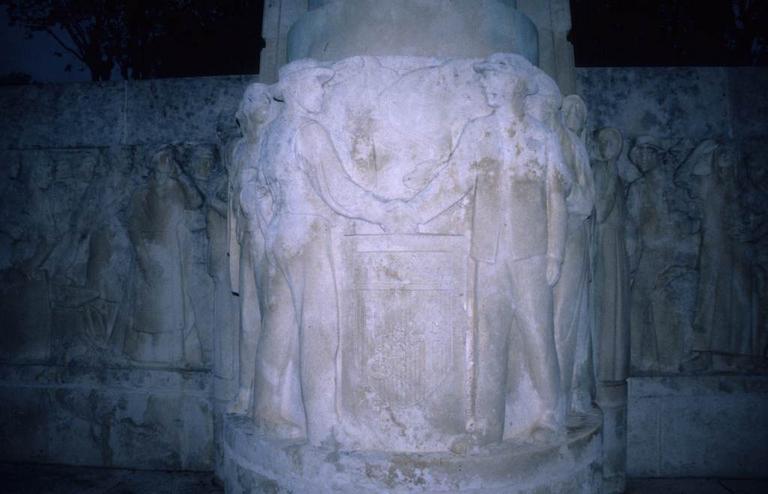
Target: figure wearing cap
{"x":512,"y":161}
{"x":294,"y":386}
{"x":518,"y":243}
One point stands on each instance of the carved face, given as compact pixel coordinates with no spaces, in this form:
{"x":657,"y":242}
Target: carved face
{"x":608,"y":144}
{"x":304,"y":89}
{"x":495,"y":87}
{"x":645,"y":157}
{"x":254,"y":109}
{"x":726,"y":160}
{"x":202,"y":163}
{"x":575,"y":114}
{"x":162,"y":166}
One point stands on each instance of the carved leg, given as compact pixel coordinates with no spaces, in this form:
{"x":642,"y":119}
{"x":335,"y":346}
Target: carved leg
{"x":278,"y":407}
{"x":318,"y":336}
{"x":534,"y":317}
{"x":494,"y":320}
{"x":250,"y":328}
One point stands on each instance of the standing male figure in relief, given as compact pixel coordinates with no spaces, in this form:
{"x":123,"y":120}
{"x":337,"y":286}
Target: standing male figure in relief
{"x":519,"y":253}
{"x":248,"y":215}
{"x":513,"y":160}
{"x":295,"y":380}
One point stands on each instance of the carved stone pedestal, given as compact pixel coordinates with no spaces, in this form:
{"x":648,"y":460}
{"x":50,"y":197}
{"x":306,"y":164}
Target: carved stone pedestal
{"x":413,"y":239}
{"x":256,"y":464}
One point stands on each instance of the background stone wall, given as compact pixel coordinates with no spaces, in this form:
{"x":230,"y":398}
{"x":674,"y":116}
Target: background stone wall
{"x":75,"y":158}
{"x":679,"y":108}
{"x":688,"y":418}
{"x":84,"y":379}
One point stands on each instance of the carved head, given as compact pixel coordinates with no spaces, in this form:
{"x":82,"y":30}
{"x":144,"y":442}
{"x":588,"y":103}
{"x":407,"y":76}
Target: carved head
{"x":202,"y":162}
{"x":254,"y":109}
{"x":645,"y":154}
{"x":545,"y":100}
{"x":301,"y":85}
{"x":726,"y":159}
{"x":609,"y":143}
{"x":163,"y":164}
{"x":574,"y":113}
{"x":505,"y":79}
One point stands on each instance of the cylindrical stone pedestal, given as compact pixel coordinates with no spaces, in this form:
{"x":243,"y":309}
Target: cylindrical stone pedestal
{"x":411,"y":171}
{"x":255,"y":464}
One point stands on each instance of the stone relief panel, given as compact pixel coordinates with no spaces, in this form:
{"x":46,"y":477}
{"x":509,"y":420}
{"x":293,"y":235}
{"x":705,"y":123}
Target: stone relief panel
{"x":414,"y":263}
{"x":106,"y":254}
{"x":686,"y":224}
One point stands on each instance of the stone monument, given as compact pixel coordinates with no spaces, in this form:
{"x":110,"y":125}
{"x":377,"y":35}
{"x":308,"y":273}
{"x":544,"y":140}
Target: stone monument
{"x":409,"y":232}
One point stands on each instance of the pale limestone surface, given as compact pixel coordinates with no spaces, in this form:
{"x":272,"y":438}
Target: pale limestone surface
{"x":254,"y":464}
{"x":553,"y":22}
{"x":413,"y":250}
{"x":54,"y":327}
{"x":572,"y":317}
{"x":552,"y":19}
{"x":436,"y":28}
{"x":249,"y":210}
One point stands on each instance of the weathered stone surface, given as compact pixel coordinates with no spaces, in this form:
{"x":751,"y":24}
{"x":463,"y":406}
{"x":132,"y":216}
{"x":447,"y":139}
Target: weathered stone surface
{"x":177,"y":110}
{"x":71,"y":245}
{"x":748,"y":101}
{"x":73,"y":252}
{"x":708,"y":426}
{"x":413,"y":234}
{"x":118,"y":113}
{"x":665,"y":102}
{"x":676,"y":121}
{"x":434,"y":28}
{"x":62,"y":115}
{"x":110,"y":417}
{"x":370,"y":217}
{"x":257,"y":464}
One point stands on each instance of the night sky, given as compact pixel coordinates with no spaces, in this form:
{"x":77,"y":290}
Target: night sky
{"x":605,"y":33}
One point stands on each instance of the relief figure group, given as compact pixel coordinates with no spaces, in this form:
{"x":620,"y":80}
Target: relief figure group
{"x":531,"y":198}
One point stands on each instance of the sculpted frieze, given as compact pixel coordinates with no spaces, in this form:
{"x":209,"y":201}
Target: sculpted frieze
{"x":408,"y":237}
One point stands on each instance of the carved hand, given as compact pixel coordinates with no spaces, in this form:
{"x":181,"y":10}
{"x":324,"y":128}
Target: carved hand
{"x":553,"y":270}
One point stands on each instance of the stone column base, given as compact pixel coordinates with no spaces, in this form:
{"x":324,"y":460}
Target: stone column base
{"x":256,"y":464}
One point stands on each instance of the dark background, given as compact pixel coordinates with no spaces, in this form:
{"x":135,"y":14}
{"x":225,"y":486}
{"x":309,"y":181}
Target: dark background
{"x":670,"y":32}
{"x":145,"y":39}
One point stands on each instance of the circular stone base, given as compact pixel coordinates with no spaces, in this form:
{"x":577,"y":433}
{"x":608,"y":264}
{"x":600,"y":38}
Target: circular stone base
{"x":256,"y":464}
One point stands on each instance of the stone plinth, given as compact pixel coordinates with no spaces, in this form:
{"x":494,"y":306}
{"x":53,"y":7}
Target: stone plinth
{"x":257,"y":464}
{"x":698,"y":426}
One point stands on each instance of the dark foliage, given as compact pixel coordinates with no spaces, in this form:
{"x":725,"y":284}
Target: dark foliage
{"x":146,"y":39}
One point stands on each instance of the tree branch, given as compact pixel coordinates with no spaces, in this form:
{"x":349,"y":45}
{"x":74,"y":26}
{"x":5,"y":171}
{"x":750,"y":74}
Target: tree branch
{"x":61,"y":43}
